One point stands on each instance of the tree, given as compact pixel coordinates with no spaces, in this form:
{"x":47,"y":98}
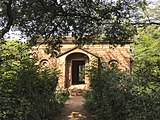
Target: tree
{"x":153,"y":12}
{"x":147,"y":51}
{"x":87,"y":20}
{"x":147,"y":57}
{"x":27,"y":92}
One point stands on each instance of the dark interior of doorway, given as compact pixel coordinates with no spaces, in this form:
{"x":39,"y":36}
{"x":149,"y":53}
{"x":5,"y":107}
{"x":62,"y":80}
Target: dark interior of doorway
{"x":78,"y":72}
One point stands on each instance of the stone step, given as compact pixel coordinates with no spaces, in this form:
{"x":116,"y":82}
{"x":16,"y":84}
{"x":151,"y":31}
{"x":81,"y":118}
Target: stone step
{"x":76,"y":92}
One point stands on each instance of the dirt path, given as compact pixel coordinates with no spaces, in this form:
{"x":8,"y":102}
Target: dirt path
{"x":74,"y":110}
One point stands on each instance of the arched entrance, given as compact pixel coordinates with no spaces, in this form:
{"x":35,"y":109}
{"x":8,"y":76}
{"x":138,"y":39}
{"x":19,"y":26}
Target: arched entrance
{"x":75,"y":69}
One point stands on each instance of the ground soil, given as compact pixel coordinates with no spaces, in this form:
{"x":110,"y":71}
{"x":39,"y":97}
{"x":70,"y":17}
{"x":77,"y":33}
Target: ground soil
{"x":74,"y":110}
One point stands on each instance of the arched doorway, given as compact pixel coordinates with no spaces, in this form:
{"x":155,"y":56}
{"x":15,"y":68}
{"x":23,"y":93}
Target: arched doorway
{"x":75,"y":69}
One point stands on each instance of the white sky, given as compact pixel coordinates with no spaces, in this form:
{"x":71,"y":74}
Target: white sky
{"x":15,"y":35}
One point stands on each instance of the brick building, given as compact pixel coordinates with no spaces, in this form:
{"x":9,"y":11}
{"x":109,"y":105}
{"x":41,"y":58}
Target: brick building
{"x":72,"y":61}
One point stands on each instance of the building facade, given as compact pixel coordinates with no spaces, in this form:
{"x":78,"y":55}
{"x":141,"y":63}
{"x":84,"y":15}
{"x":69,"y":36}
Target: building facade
{"x":72,"y":61}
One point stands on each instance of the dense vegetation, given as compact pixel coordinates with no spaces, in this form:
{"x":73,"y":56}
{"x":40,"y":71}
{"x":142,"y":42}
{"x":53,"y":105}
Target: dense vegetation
{"x":27,"y":92}
{"x":146,"y":53}
{"x":121,"y":96}
{"x":85,"y":19}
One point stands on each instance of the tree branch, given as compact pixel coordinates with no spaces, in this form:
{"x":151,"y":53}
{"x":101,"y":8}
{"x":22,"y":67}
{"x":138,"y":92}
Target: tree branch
{"x":10,"y":19}
{"x":142,"y":24}
{"x":63,"y":13}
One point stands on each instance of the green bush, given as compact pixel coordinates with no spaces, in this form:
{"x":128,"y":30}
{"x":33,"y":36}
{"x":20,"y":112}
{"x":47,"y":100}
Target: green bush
{"x":61,"y":95}
{"x":27,"y":91}
{"x":114,"y":96}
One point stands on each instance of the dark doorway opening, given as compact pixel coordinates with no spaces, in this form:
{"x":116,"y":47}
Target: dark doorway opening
{"x":78,"y":72}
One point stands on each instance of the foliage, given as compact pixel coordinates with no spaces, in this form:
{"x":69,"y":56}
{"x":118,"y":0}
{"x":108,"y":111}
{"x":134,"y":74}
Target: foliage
{"x":117,"y":95}
{"x":147,"y":57}
{"x":61,"y":95}
{"x":153,"y":11}
{"x":85,"y":19}
{"x":27,"y":92}
{"x":146,"y":72}
{"x":114,"y":97}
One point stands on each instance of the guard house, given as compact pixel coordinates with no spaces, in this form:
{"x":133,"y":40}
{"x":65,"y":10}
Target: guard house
{"x":71,"y":61}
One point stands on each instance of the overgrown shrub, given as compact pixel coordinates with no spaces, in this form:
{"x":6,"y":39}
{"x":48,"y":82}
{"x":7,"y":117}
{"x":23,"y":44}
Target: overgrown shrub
{"x":61,"y":95}
{"x":114,"y":96}
{"x":27,"y":92}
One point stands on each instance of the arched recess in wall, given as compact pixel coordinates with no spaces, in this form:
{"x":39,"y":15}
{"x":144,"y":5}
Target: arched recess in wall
{"x":75,"y":69}
{"x":44,"y":63}
{"x":33,"y":54}
{"x":113,"y":63}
